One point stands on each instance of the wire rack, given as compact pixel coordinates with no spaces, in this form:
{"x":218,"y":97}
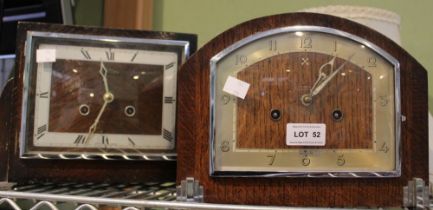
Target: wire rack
{"x":149,"y":195}
{"x":92,"y":196}
{"x":85,"y":195}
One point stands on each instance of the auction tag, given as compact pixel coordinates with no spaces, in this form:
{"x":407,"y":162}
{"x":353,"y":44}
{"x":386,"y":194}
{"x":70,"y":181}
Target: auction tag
{"x":236,"y":87}
{"x":45,"y":55}
{"x":306,"y":134}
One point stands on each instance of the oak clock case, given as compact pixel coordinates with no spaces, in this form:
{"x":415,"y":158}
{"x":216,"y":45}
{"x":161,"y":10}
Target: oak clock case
{"x":305,"y":110}
{"x":96,"y":104}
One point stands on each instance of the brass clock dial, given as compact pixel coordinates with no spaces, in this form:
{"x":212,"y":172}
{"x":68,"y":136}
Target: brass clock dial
{"x":318,"y":101}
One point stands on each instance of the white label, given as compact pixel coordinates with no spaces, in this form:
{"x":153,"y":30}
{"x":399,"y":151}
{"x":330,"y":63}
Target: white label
{"x":236,"y":87}
{"x":305,"y":134}
{"x":45,"y":55}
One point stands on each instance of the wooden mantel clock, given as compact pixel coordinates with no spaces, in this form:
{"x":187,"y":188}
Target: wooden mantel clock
{"x":302,"y":109}
{"x":93,"y":104}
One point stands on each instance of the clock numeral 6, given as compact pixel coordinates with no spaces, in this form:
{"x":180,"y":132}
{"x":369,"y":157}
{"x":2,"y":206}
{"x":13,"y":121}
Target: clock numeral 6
{"x":105,"y":140}
{"x":340,"y":160}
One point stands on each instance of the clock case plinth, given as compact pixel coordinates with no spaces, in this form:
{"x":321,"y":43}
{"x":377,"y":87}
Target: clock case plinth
{"x":57,"y":170}
{"x":193,"y":122}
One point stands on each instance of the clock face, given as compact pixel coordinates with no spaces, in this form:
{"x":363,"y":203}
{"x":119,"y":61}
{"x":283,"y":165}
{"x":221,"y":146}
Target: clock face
{"x":304,"y":101}
{"x":97,"y":96}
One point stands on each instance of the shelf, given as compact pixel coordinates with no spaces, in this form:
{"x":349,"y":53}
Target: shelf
{"x":91,"y":196}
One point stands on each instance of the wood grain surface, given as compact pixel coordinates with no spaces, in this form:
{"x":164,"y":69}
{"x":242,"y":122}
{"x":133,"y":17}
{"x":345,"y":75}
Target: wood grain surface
{"x":71,"y":90}
{"x":24,"y":170}
{"x":5,"y":128}
{"x":193,"y":130}
{"x":273,"y":88}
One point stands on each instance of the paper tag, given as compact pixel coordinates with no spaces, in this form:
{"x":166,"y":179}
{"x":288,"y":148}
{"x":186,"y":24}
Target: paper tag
{"x":305,"y":134}
{"x":236,"y":87}
{"x":45,"y":55}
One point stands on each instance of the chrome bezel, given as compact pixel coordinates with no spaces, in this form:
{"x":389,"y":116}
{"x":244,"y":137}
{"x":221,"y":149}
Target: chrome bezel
{"x":319,"y":174}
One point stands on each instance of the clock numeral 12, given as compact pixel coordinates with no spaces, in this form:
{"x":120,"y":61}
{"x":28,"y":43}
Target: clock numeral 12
{"x":41,"y":131}
{"x":307,"y":42}
{"x":167,"y":135}
{"x":110,"y":55}
{"x":80,"y":139}
{"x":86,"y":54}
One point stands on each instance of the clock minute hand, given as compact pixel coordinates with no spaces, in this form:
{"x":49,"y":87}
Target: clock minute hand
{"x":108,"y":97}
{"x":103,"y":73}
{"x":328,"y":78}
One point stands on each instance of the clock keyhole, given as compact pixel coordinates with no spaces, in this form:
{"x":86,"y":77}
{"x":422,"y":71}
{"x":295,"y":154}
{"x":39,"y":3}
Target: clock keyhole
{"x":337,"y":115}
{"x":129,"y":111}
{"x":84,"y":109}
{"x":275,"y":114}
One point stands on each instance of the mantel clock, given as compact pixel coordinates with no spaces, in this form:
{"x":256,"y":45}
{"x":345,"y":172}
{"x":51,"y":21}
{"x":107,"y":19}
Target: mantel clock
{"x":95,"y":104}
{"x":303,"y":109}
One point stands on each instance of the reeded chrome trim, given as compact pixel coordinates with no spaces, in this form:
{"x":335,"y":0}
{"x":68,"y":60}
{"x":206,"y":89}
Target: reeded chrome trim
{"x":122,"y":155}
{"x":65,"y":156}
{"x":308,"y":28}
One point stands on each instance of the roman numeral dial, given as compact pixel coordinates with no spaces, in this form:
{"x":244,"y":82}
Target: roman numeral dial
{"x":110,"y":97}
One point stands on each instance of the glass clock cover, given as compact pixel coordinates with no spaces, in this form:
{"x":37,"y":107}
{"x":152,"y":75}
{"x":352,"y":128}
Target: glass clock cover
{"x":88,"y":96}
{"x":304,"y":101}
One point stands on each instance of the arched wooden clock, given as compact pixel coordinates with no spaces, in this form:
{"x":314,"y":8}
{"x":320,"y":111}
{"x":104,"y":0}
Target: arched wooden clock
{"x":304,"y":110}
{"x":92,"y":104}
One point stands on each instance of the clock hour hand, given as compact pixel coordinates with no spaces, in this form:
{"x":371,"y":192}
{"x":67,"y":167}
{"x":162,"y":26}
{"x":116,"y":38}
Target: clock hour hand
{"x":307,"y":99}
{"x":322,"y":75}
{"x":92,"y":128}
{"x":108,"y":97}
{"x":323,"y":79}
{"x":316,"y":90}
